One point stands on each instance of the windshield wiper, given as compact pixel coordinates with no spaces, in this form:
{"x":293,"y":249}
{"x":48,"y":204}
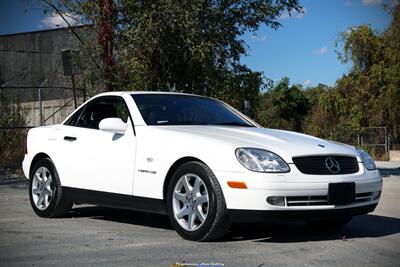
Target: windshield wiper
{"x":235,"y":123}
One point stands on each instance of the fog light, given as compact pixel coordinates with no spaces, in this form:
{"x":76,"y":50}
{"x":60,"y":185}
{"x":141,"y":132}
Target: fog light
{"x":276,"y":201}
{"x":376,"y":195}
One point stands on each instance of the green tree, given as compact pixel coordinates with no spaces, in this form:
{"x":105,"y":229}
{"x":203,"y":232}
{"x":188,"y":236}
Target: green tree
{"x":369,"y":95}
{"x":239,"y":85}
{"x":184,"y":44}
{"x":190,"y":46}
{"x":284,"y":106}
{"x":10,"y":140}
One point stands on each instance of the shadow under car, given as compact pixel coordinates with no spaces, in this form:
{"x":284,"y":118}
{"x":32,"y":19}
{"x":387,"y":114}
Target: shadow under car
{"x":369,"y":225}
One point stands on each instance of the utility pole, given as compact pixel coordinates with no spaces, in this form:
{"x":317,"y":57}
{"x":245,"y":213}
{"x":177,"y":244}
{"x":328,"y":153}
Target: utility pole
{"x":105,"y":39}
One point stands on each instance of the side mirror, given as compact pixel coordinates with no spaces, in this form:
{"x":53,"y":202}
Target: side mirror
{"x":113,"y":125}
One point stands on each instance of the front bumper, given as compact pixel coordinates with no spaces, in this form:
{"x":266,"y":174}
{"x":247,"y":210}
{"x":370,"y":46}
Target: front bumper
{"x":247,"y":216}
{"x":296,"y":185}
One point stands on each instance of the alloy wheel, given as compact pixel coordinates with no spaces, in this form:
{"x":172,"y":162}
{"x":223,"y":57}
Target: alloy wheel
{"x":42,"y":188}
{"x":190,"y":202}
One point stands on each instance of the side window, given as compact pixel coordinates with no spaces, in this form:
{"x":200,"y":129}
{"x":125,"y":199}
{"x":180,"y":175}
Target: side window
{"x":122,"y":110}
{"x":74,"y":118}
{"x":99,"y":109}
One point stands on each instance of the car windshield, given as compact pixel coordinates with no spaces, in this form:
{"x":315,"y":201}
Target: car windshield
{"x":170,"y":109}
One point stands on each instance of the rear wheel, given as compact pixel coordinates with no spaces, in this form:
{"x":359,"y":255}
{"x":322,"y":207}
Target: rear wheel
{"x":334,"y":223}
{"x":45,"y":191}
{"x":196,"y":205}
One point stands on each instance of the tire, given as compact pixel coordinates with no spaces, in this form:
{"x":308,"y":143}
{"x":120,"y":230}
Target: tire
{"x":331,"y":224}
{"x":45,"y":191}
{"x":211,"y":220}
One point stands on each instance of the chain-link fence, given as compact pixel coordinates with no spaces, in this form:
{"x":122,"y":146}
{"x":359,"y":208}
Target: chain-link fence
{"x":22,"y":108}
{"x":35,"y":88}
{"x":40,"y":106}
{"x":374,"y":139}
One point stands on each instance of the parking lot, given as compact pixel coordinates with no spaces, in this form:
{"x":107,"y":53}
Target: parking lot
{"x":101,"y":236}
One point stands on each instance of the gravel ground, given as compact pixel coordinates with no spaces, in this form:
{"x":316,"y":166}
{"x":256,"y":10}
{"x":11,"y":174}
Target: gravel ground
{"x":100,"y":236}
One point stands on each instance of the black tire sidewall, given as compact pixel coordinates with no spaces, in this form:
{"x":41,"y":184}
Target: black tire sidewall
{"x":48,"y":212}
{"x":195,"y":168}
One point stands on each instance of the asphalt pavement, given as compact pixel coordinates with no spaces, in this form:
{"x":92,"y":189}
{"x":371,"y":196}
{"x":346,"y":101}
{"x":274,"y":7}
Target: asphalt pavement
{"x":108,"y":237}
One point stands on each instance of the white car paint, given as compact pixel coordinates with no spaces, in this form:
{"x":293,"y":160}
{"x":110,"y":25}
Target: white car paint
{"x":113,"y":125}
{"x":137,"y":162}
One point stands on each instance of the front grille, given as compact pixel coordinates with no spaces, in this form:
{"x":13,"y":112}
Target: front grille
{"x":318,"y":165}
{"x":307,"y":201}
{"x":323,"y":200}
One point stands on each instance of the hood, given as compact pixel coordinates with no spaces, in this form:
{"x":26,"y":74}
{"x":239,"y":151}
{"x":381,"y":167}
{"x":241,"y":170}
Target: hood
{"x":284,"y":143}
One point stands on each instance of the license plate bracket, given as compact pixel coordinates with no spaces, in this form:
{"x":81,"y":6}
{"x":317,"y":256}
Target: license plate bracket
{"x":341,"y":193}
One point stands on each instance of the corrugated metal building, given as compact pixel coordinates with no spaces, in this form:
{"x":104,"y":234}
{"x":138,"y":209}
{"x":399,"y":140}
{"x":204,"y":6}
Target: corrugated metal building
{"x":31,"y":72}
{"x":33,"y":58}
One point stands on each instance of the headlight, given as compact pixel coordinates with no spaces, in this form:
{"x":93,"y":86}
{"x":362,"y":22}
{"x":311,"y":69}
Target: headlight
{"x":259,"y":160}
{"x":367,"y":160}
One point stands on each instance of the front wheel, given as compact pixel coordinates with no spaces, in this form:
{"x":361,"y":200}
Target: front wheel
{"x":45,"y":191}
{"x":196,"y":205}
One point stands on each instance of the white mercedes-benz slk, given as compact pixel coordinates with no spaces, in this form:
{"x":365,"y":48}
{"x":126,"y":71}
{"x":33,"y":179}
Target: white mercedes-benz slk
{"x":196,"y":159}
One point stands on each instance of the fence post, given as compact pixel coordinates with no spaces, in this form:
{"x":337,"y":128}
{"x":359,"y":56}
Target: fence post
{"x":73,"y":90}
{"x":40,"y":106}
{"x":2,"y":91}
{"x":388,"y":145}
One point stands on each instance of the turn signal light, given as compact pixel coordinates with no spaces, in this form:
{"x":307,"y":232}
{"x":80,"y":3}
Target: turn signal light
{"x":240,"y":185}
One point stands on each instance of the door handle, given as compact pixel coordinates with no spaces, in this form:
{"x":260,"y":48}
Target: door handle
{"x":69,"y":138}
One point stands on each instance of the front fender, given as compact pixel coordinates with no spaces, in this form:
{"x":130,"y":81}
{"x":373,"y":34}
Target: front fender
{"x":157,"y":151}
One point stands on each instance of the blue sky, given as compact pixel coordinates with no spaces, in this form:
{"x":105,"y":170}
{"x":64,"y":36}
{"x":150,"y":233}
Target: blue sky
{"x":303,"y":49}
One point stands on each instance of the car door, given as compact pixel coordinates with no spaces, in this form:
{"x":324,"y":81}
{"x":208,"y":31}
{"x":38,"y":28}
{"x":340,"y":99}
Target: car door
{"x":93,"y":159}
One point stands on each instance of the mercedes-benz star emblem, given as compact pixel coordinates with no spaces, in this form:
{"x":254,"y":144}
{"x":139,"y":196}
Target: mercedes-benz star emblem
{"x":332,"y":165}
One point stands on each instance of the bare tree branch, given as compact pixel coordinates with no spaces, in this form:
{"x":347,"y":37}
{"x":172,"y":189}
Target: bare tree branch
{"x":72,"y":29}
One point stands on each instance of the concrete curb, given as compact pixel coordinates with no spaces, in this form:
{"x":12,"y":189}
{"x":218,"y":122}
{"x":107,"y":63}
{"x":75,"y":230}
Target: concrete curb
{"x":387,"y":164}
{"x":388,"y":168}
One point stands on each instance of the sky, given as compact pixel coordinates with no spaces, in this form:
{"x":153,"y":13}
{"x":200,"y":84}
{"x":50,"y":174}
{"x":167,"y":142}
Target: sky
{"x":303,"y":49}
